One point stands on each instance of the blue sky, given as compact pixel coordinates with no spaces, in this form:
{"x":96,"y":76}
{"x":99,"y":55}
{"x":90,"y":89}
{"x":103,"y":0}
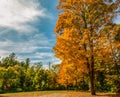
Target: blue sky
{"x":27,"y":29}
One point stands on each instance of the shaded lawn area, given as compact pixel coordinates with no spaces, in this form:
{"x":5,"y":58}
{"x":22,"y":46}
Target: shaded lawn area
{"x":57,"y":94}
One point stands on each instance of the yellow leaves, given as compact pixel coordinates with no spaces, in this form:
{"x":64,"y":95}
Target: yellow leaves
{"x":66,"y":34}
{"x":2,"y":68}
{"x":69,"y":72}
{"x":83,"y":34}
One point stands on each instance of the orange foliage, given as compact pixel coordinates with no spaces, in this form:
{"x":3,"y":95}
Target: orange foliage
{"x":83,"y":33}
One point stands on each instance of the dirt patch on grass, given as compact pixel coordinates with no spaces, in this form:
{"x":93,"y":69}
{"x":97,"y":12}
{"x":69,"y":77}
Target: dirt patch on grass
{"x":57,"y":94}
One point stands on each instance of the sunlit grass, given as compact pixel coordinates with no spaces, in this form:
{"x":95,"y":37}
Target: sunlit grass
{"x":57,"y":94}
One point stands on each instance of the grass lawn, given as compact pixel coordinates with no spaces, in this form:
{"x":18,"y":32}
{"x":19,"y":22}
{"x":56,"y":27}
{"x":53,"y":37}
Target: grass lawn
{"x":57,"y":94}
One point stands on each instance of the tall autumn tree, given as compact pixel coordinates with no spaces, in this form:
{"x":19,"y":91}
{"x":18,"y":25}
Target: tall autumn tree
{"x":80,"y":35}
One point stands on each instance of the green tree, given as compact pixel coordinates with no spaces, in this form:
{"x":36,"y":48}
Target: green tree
{"x":37,"y":81}
{"x":11,"y":60}
{"x":10,"y":78}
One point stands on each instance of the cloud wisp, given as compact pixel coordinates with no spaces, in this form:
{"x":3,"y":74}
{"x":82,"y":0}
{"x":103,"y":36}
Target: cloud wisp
{"x":24,"y":30}
{"x":18,"y":14}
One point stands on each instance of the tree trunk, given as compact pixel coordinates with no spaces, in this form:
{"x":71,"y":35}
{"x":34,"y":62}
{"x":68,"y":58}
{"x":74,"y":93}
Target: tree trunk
{"x":92,"y":78}
{"x":90,"y":67}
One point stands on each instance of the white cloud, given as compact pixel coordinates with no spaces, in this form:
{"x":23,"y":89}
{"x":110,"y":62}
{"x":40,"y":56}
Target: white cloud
{"x":23,"y":47}
{"x":20,"y":15}
{"x":39,"y":56}
{"x":44,"y":54}
{"x":17,"y":14}
{"x":27,"y":48}
{"x":5,"y":43}
{"x":30,"y":49}
{"x":4,"y":53}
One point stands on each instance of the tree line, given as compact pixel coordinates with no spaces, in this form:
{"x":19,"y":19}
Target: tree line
{"x":19,"y":76}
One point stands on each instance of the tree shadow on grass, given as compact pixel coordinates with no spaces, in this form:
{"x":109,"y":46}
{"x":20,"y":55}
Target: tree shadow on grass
{"x":109,"y":95}
{"x":3,"y":96}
